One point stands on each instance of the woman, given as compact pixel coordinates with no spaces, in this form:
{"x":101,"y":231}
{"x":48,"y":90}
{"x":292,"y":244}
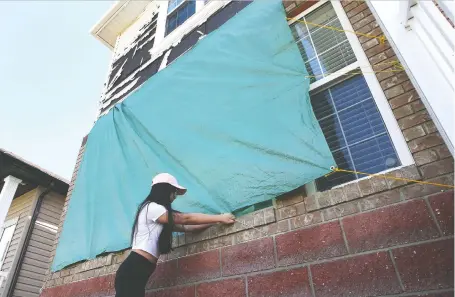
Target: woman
{"x":152,"y":234}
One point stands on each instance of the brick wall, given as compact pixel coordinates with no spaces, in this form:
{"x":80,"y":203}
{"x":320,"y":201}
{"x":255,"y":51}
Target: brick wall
{"x":374,"y":237}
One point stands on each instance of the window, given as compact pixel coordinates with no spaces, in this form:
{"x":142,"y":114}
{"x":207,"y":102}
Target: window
{"x":325,"y":51}
{"x":344,"y":106}
{"x":6,"y":234}
{"x":178,"y":12}
{"x":354,"y":130}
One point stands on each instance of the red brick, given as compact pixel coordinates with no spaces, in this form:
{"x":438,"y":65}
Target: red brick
{"x":403,"y":111}
{"x":437,"y":168}
{"x":230,"y":287}
{"x":426,"y":266}
{"x":199,"y":267}
{"x":367,"y":29}
{"x":379,"y":200}
{"x":287,"y":283}
{"x":414,"y":119}
{"x":319,"y":242}
{"x":393,"y":92}
{"x":397,"y":79}
{"x":94,"y":287}
{"x":306,"y":220}
{"x":363,"y":22}
{"x":251,"y":256}
{"x":408,"y":86}
{"x":360,"y":16}
{"x":442,"y":205}
{"x":340,"y":210}
{"x":349,"y":5}
{"x":287,"y":200}
{"x":403,"y":99}
{"x":366,"y":275}
{"x":174,"y":292}
{"x":414,"y":132}
{"x":389,"y":226}
{"x":290,"y":211}
{"x":426,"y":156}
{"x":420,"y":190}
{"x":425,"y":142}
{"x":430,"y":127}
{"x":380,"y":48}
{"x":164,"y":276}
{"x":417,"y":105}
{"x":357,"y":10}
{"x":443,"y":151}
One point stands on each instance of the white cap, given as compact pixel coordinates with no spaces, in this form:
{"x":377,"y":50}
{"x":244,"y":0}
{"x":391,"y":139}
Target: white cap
{"x":166,"y":178}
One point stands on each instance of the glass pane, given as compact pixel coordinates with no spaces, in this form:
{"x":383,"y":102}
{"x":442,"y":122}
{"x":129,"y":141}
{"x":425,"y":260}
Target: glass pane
{"x":313,"y":69}
{"x":322,"y":104}
{"x":182,"y":15}
{"x":333,"y":132}
{"x":374,"y":155}
{"x":191,"y":8}
{"x":343,"y":161}
{"x":173,"y":4}
{"x":321,"y":16}
{"x":361,"y":142}
{"x":171,"y":24}
{"x":337,"y":58}
{"x":306,"y":49}
{"x":325,"y":39}
{"x":330,"y":48}
{"x":5,"y":239}
{"x":350,"y":92}
{"x":299,"y":30}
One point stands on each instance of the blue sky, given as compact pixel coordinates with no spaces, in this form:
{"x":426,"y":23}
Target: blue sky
{"x":51,"y":76}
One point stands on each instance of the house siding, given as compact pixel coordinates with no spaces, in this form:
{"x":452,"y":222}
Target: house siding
{"x":20,"y":209}
{"x":37,"y":257}
{"x":373,"y":237}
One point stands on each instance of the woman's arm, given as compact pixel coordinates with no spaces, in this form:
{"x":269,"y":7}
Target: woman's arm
{"x":197,"y":219}
{"x":191,"y":228}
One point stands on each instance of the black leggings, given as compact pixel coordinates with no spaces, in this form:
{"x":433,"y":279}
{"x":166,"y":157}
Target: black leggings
{"x":132,"y":276}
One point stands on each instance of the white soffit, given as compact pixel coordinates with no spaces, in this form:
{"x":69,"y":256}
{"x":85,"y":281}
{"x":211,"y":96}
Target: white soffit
{"x":117,"y":19}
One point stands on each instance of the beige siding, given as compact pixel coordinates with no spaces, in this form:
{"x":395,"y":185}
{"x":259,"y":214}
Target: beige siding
{"x":20,"y":208}
{"x":37,"y":258}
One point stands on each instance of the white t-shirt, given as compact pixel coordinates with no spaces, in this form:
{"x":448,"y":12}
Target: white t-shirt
{"x":148,"y":229}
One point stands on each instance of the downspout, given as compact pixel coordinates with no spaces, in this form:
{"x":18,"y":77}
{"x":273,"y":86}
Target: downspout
{"x":28,"y":235}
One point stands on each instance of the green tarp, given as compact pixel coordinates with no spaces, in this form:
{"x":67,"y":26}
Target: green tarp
{"x":231,"y":119}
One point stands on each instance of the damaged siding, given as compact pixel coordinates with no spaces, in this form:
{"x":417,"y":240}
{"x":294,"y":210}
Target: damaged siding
{"x":133,"y":66}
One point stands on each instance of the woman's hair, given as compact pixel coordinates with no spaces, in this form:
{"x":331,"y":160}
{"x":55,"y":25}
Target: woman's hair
{"x":160,"y":194}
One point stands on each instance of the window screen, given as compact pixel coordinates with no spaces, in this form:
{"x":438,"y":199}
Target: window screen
{"x":180,"y":14}
{"x":324,"y":50}
{"x":354,"y":130}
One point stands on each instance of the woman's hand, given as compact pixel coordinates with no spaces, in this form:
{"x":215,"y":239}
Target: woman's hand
{"x":227,"y":218}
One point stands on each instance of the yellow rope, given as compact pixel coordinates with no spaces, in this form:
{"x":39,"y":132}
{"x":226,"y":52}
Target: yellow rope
{"x":380,"y":38}
{"x":335,"y":169}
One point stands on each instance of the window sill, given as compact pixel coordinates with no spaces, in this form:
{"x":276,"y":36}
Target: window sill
{"x":361,"y":188}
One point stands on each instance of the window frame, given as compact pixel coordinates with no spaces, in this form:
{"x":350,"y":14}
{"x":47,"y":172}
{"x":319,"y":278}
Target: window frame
{"x":7,"y":224}
{"x":366,"y":70}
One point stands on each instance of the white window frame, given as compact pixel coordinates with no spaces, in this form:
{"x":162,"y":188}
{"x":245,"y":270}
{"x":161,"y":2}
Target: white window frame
{"x":361,"y":65}
{"x":7,"y":224}
{"x":203,"y":12}
{"x":162,"y":21}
